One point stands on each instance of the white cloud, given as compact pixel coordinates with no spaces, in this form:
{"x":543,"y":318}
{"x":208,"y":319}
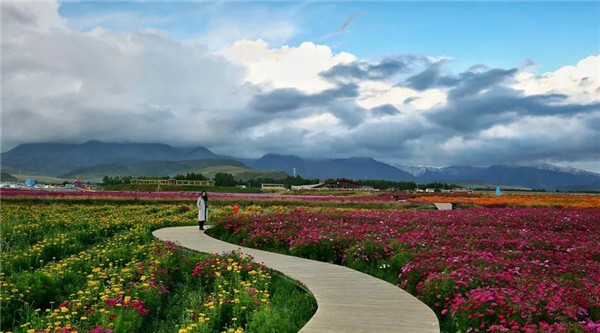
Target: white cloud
{"x":458,"y":144}
{"x":538,"y":127}
{"x":62,"y":85}
{"x":373,"y":94}
{"x":581,"y":83}
{"x":285,"y":67}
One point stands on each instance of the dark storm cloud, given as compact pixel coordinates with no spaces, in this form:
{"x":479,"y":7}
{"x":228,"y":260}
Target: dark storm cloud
{"x":430,"y":78}
{"x":385,"y":69}
{"x":480,"y":99}
{"x":388,"y":137}
{"x":386,"y":109}
{"x":472,"y":83}
{"x":11,"y":13}
{"x":467,"y":83}
{"x":500,"y":105}
{"x":410,"y":99}
{"x":289,"y":99}
{"x":577,"y":143}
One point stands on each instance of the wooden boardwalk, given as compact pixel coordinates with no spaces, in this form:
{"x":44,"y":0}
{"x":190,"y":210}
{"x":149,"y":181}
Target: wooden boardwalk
{"x":347,"y":300}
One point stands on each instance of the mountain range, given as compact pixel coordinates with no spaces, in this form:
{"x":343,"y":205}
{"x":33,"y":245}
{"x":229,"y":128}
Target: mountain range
{"x":94,"y":159}
{"x":60,"y":158}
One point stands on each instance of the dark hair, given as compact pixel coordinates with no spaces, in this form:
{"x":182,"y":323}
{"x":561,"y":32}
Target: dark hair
{"x":204,"y":195}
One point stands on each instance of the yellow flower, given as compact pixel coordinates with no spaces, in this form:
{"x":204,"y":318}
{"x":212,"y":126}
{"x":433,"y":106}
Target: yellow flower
{"x":84,"y":318}
{"x":183,"y":330}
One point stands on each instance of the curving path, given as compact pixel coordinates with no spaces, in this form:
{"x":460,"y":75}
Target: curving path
{"x":348,"y":300}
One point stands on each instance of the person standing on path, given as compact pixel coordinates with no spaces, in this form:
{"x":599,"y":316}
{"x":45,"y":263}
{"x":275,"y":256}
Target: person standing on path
{"x":202,"y":204}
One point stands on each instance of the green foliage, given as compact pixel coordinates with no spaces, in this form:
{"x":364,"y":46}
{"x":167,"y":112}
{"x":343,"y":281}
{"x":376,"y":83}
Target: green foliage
{"x":107,"y":180}
{"x":390,"y":185}
{"x":191,"y":176}
{"x":7,"y":177}
{"x":224,"y":179}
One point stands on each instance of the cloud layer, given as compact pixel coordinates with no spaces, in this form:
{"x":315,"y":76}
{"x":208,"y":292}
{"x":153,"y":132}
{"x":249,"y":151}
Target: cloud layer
{"x":247,"y":98}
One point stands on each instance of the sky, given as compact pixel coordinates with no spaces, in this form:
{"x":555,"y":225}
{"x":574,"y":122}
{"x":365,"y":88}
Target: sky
{"x":412,"y":83}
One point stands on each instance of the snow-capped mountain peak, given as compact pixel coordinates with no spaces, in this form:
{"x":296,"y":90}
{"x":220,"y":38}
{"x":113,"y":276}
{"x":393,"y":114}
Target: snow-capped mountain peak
{"x":571,"y":170}
{"x":417,"y":170}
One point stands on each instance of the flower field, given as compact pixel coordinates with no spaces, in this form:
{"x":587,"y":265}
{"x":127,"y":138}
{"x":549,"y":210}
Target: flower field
{"x":95,"y":268}
{"x":497,"y":270}
{"x":516,"y":200}
{"x":373,"y":200}
{"x":174,"y":196}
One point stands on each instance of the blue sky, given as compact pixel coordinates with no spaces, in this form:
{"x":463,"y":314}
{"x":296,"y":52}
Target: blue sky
{"x":501,"y":34}
{"x":417,"y":83}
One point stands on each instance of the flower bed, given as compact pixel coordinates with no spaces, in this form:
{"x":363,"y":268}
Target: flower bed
{"x":503,"y":269}
{"x":95,"y":268}
{"x":74,"y":194}
{"x":516,"y":200}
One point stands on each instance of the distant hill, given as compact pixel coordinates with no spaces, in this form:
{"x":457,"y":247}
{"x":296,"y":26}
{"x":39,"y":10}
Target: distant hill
{"x":354,"y":168}
{"x":547,"y":177}
{"x":148,"y":169}
{"x":59,"y":158}
{"x":94,"y":160}
{"x":242,"y":173}
{"x":7,"y":177}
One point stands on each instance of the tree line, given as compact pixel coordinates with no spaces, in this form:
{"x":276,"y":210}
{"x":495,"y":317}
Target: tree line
{"x":227,"y":179}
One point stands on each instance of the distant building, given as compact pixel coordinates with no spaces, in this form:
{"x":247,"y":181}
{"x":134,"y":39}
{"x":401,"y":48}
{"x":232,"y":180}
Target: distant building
{"x":461,"y":190}
{"x":307,"y":187}
{"x":271,"y":187}
{"x":430,"y":190}
{"x":8,"y":185}
{"x":341,"y":183}
{"x":173,"y":182}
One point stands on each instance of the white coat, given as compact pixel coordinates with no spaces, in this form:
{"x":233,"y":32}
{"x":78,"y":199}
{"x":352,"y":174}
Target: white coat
{"x":202,"y":209}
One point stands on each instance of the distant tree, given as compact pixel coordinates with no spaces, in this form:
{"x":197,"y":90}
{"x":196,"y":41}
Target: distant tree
{"x":191,"y":176}
{"x":108,"y":180}
{"x":389,"y":185}
{"x":438,"y":186}
{"x":224,"y":179}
